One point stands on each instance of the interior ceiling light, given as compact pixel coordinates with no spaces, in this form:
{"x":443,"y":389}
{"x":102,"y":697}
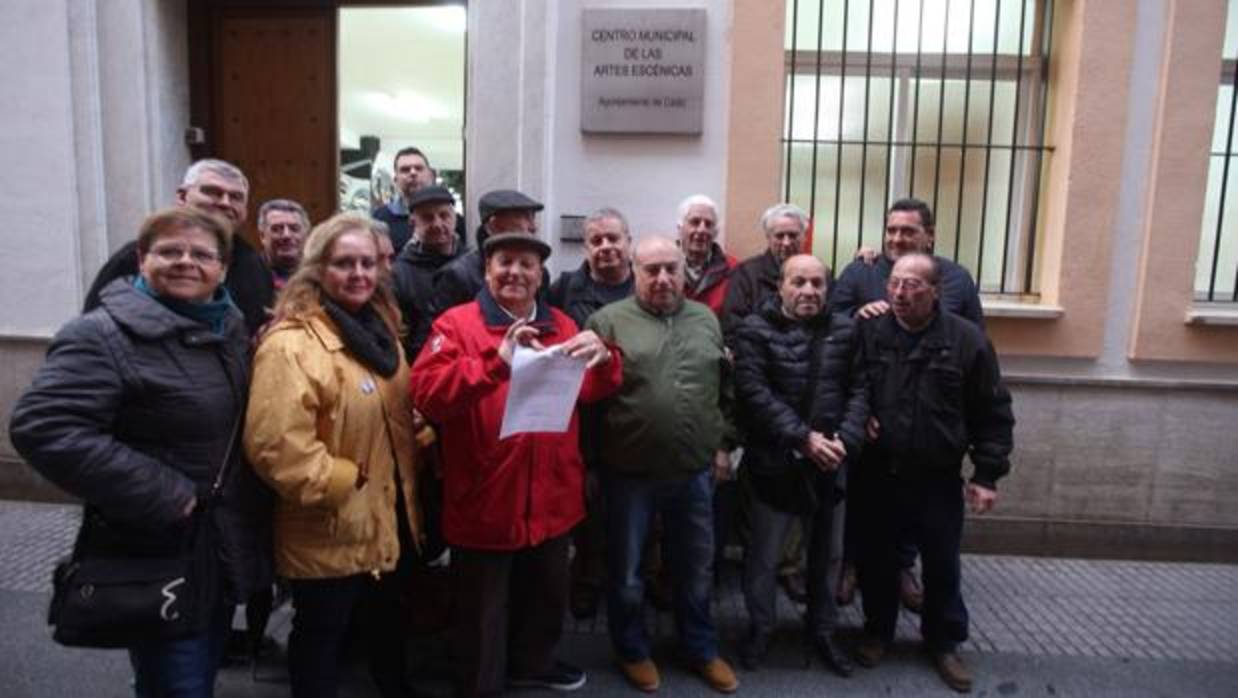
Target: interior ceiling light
{"x":405,"y":105}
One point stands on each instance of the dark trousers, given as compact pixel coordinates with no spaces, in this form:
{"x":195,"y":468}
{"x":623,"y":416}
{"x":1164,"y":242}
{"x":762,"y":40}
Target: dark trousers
{"x":385,"y":614}
{"x":508,"y":614}
{"x":589,"y":538}
{"x":791,"y":557}
{"x":770,"y":528}
{"x":321,"y":611}
{"x":927,"y":511}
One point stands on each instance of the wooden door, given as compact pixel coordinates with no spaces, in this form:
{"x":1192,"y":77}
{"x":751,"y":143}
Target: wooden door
{"x":273,"y":104}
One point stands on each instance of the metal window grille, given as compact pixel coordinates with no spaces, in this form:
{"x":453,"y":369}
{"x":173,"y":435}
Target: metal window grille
{"x":944,"y":100}
{"x":1216,"y":268}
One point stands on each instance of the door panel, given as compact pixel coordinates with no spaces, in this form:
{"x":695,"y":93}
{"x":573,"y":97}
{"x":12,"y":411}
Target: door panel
{"x":274,"y":105}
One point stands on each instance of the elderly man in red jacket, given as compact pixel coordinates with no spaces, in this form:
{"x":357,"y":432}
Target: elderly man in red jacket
{"x":510,"y":504}
{"x":707,"y":268}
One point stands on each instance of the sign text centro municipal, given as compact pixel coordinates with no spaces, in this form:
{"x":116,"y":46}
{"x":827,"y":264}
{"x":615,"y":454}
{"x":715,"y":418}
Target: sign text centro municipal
{"x":642,"y":70}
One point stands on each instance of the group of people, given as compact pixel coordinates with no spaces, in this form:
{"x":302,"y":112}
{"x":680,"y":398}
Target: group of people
{"x":351,"y":381}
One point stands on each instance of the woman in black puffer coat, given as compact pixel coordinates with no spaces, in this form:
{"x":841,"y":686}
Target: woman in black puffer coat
{"x":133,"y":411}
{"x":796,"y":385}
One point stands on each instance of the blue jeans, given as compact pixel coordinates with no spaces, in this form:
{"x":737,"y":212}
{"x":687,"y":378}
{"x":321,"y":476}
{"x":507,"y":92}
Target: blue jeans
{"x":686,"y":506}
{"x":182,"y":668}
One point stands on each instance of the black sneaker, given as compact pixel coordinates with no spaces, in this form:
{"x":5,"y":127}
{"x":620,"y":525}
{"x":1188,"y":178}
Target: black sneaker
{"x":561,"y":676}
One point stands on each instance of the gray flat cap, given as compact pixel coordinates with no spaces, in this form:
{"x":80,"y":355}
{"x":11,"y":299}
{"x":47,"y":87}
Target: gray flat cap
{"x":505,"y":200}
{"x":430,"y":195}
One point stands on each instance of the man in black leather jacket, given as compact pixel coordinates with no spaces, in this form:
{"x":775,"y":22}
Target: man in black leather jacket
{"x":606,"y":274}
{"x":604,"y":277}
{"x":804,"y":407}
{"x":936,"y":395}
{"x":220,"y":188}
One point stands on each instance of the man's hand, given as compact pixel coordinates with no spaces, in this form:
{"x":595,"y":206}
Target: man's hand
{"x":722,"y":466}
{"x":869,"y":311}
{"x":826,"y":454}
{"x":587,"y":347}
{"x":187,"y":511}
{"x":866,"y":254}
{"x":980,"y":499}
{"x":519,"y":333}
{"x":872,"y":428}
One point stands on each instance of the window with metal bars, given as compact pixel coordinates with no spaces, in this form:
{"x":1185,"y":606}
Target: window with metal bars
{"x":944,"y":100}
{"x":1216,"y":267}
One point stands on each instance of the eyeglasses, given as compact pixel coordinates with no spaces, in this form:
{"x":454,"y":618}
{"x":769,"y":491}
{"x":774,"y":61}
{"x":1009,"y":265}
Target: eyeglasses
{"x":216,"y":192}
{"x":171,"y":254}
{"x":909,"y":284}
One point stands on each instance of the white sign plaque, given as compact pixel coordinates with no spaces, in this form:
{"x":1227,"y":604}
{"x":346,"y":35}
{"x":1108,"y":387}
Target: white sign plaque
{"x":642,"y":70}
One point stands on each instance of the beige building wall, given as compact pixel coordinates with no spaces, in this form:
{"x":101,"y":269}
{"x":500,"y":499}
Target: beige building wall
{"x":1178,"y":179}
{"x":1124,"y":443}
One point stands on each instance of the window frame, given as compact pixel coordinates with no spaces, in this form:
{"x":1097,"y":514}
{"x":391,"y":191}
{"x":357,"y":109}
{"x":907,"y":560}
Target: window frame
{"x":1027,"y":70}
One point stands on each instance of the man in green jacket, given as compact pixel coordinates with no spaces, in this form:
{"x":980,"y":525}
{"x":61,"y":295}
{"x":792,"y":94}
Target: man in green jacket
{"x":665,"y":437}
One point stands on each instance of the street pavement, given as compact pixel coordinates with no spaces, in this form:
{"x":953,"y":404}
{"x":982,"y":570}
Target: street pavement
{"x":1040,"y":627}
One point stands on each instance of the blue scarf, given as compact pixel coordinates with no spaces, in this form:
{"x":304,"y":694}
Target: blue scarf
{"x":212,"y":313}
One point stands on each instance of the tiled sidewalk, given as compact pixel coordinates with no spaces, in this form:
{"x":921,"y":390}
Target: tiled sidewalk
{"x":1019,"y":605}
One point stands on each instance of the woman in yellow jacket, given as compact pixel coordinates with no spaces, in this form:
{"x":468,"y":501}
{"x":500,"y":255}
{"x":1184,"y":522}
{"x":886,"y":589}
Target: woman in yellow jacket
{"x":330,"y":428}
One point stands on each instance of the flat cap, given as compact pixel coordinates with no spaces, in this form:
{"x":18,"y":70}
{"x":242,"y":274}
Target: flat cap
{"x":431,"y":195}
{"x":518,"y":240}
{"x":505,"y":200}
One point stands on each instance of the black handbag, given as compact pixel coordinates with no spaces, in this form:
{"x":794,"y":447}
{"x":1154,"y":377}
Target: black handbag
{"x":112,"y":601}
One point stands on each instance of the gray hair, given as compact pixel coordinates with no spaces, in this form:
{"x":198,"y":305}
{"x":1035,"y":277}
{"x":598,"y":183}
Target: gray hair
{"x":286,"y":205}
{"x":607,"y":213}
{"x":222,"y":168}
{"x":695,"y":200}
{"x":777,"y":211}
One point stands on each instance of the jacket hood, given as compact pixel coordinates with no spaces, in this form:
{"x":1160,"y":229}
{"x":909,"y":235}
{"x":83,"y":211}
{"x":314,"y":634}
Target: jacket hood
{"x":150,"y":319}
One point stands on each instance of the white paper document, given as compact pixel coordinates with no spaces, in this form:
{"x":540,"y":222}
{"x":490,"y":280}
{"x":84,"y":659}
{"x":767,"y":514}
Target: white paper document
{"x":543,"y":391}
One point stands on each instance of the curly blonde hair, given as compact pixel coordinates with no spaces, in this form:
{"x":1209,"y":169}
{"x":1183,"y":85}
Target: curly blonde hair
{"x":302,"y":296}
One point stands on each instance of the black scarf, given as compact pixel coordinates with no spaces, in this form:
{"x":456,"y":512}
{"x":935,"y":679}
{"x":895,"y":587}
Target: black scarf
{"x":366,"y":336}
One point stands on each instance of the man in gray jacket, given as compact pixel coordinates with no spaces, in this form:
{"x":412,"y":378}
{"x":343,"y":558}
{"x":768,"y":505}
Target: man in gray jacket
{"x":665,"y":437}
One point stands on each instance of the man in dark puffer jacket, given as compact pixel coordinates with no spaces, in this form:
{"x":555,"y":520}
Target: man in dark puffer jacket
{"x":804,"y":407}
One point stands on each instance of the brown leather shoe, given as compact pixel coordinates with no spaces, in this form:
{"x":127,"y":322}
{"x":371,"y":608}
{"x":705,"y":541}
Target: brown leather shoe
{"x":719,"y":675}
{"x":643,"y":674}
{"x":953,"y":671}
{"x":909,"y":590}
{"x":870,"y":651}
